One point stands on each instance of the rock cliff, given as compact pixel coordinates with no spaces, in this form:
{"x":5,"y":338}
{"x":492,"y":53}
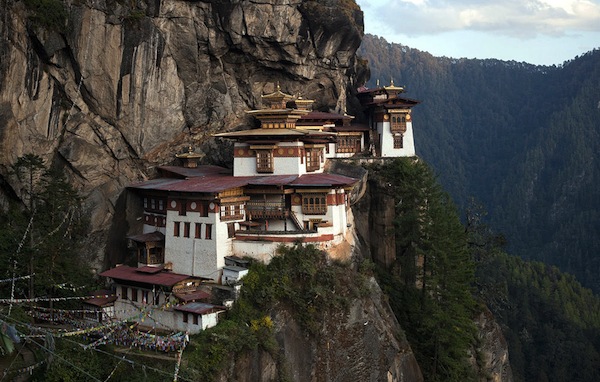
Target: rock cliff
{"x":364,"y":344}
{"x":106,"y":89}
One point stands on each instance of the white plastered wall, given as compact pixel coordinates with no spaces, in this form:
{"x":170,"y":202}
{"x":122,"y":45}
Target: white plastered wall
{"x":387,"y":141}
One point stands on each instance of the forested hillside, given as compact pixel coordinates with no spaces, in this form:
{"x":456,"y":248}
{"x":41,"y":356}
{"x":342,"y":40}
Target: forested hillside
{"x":521,"y":139}
{"x":444,"y":274}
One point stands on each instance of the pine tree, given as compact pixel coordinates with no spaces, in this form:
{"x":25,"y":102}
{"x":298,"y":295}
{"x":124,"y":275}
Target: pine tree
{"x":434,"y":272}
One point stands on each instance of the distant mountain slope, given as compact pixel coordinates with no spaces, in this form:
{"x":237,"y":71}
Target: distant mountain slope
{"x":519,"y":138}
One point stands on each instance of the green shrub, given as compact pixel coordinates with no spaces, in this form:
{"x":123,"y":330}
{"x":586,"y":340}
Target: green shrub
{"x":50,"y":14}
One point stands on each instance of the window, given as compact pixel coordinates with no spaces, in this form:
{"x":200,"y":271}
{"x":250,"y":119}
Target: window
{"x":182,"y":207}
{"x":124,"y":293}
{"x":185,"y":317}
{"x":134,"y":294}
{"x":398,"y":141}
{"x":186,"y":229}
{"x":152,"y":204}
{"x":314,"y":204}
{"x":145,"y":203}
{"x":145,"y":296}
{"x":198,"y":230}
{"x":203,"y":209}
{"x":161,"y":205}
{"x":230,"y":230}
{"x":195,"y":316}
{"x":348,"y":144}
{"x":313,"y":159}
{"x":232,"y":211}
{"x":264,"y":160}
{"x":176,"y":229}
{"x":399,"y":123}
{"x":208,"y":233}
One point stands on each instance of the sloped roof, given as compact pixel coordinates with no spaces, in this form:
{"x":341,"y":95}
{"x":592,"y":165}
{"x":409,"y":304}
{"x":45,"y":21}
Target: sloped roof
{"x":218,"y":183}
{"x":323,"y":179}
{"x":197,"y":307}
{"x":127,"y":273}
{"x":193,"y":296}
{"x":262,"y":132}
{"x":101,"y":298}
{"x":148,"y":237}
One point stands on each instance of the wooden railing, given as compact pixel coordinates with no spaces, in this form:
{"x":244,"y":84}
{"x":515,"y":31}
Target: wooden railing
{"x":266,"y":210}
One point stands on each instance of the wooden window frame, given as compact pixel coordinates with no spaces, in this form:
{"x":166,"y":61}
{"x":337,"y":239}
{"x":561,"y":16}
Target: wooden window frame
{"x":198,"y":231}
{"x":314,"y":204}
{"x":348,"y":144}
{"x":398,"y":123}
{"x":264,"y":160}
{"x":186,"y":229}
{"x":313,"y":159}
{"x":398,"y":141}
{"x":176,"y":229}
{"x":208,"y":232}
{"x":232,"y":212}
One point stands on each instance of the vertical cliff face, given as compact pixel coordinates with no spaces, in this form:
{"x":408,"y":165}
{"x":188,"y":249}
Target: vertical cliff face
{"x":116,"y":87}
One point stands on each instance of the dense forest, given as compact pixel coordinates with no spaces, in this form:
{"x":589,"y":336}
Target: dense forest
{"x":521,"y":139}
{"x":445,"y":272}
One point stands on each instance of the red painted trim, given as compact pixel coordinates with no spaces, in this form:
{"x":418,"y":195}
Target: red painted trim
{"x":280,"y":152}
{"x":279,"y":239}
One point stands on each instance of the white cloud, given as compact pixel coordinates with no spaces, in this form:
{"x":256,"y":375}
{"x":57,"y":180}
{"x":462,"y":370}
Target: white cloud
{"x":514,"y":18}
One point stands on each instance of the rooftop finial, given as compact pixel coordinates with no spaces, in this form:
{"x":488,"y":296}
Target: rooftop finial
{"x":392,"y":82}
{"x":278,"y":87}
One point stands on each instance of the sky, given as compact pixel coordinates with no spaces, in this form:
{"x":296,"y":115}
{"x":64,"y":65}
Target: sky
{"x":541,"y":32}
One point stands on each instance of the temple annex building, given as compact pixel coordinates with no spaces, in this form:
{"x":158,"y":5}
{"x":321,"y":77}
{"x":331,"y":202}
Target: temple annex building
{"x":200,"y":222}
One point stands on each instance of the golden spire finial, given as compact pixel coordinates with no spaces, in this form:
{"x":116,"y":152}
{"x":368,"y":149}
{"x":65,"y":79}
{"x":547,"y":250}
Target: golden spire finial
{"x":278,"y":87}
{"x":392,"y":81}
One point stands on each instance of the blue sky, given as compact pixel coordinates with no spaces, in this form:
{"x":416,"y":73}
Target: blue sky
{"x":542,"y":32}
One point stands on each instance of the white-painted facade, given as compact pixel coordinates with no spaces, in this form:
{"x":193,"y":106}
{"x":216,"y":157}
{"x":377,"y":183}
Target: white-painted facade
{"x":386,"y":136}
{"x":154,"y":316}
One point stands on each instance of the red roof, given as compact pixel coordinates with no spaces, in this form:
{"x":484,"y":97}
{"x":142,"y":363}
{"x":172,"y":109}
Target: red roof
{"x":193,"y":296}
{"x":103,"y":297}
{"x":323,"y":179}
{"x":218,"y":183}
{"x":127,"y":273}
{"x":207,"y":184}
{"x":148,"y":237}
{"x":197,"y":307}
